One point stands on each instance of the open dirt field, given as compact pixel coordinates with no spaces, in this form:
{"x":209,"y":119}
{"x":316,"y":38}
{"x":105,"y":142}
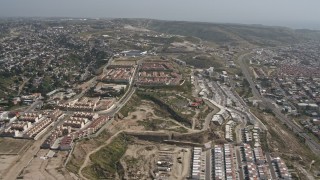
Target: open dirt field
{"x":9,"y":152}
{"x":12,"y":146}
{"x":146,"y":160}
{"x":145,"y":117}
{"x":5,"y":162}
{"x":46,"y":168}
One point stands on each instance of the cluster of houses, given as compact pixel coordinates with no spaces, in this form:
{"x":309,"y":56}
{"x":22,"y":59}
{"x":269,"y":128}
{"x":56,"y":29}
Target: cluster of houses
{"x":30,"y":125}
{"x":78,"y":126}
{"x":229,"y":130}
{"x":256,"y":166}
{"x":31,"y":51}
{"x":282,"y":171}
{"x":313,"y":125}
{"x":224,"y":162}
{"x":296,"y":83}
{"x":85,"y":104}
{"x":118,"y":74}
{"x":158,"y":73}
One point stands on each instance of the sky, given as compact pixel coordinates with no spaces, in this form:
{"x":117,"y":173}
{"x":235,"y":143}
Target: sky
{"x":289,"y":13}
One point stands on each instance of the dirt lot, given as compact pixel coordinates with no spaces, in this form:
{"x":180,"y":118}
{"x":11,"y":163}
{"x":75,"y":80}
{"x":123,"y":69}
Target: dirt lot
{"x":133,"y":123}
{"x":144,"y":117}
{"x":140,"y":161}
{"x":12,"y":146}
{"x":46,"y":168}
{"x":5,"y":162}
{"x":9,"y":152}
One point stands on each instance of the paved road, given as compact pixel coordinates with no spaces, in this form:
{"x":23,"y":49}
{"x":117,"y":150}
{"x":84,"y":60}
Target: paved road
{"x":33,"y":105}
{"x":240,"y":163}
{"x":208,"y":165}
{"x":272,"y":171}
{"x":118,"y":105}
{"x":313,"y":145}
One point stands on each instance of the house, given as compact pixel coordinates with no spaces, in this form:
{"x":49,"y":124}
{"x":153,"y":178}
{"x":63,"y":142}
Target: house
{"x":66,"y":143}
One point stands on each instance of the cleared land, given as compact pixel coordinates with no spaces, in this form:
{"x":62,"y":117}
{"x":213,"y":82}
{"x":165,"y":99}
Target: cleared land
{"x":126,"y":157}
{"x":140,"y":161}
{"x":5,"y":163}
{"x":9,"y":152}
{"x":12,"y":146}
{"x":46,"y":168}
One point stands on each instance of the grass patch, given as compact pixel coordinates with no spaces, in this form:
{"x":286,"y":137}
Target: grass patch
{"x":151,"y":125}
{"x":201,"y":61}
{"x":204,"y":111}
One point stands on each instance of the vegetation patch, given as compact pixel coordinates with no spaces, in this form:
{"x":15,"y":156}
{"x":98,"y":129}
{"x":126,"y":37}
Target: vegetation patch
{"x":81,"y":149}
{"x":106,"y":162}
{"x":131,"y":105}
{"x":180,"y":130}
{"x":201,"y":61}
{"x":244,"y":90}
{"x":175,"y":115}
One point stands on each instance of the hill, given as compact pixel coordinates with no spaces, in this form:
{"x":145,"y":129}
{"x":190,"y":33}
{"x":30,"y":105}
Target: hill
{"x":229,"y":34}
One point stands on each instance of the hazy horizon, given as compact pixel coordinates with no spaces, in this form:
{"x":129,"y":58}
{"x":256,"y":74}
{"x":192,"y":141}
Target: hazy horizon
{"x":288,"y":13}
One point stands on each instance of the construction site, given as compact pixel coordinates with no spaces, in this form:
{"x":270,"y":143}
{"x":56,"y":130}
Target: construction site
{"x":147,"y":160}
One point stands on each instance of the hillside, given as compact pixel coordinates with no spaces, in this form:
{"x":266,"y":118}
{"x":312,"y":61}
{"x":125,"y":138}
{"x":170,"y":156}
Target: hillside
{"x":232,"y":34}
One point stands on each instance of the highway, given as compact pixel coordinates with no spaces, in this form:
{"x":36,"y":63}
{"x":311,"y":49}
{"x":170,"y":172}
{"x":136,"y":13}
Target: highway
{"x":313,"y":145}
